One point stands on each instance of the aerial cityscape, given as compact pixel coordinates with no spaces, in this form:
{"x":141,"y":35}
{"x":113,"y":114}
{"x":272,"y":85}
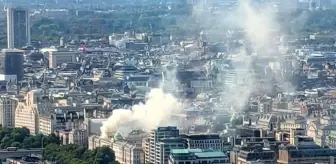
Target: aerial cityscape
{"x":168,"y":82}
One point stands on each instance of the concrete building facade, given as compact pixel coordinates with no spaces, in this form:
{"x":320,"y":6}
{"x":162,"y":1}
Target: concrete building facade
{"x":56,"y":58}
{"x":128,"y":153}
{"x":27,"y":111}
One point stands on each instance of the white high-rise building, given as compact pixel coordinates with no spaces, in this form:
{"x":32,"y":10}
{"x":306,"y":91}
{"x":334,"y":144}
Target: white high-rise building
{"x":157,"y":146}
{"x":8,"y":106}
{"x":18,"y":28}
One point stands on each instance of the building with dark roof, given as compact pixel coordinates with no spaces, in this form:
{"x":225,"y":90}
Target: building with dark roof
{"x":250,"y":149}
{"x":60,"y":120}
{"x":298,"y":154}
{"x":137,"y":80}
{"x":320,"y":57}
{"x":11,"y":65}
{"x":303,"y":149}
{"x":205,"y":141}
{"x":257,"y":153}
{"x":122,"y":71}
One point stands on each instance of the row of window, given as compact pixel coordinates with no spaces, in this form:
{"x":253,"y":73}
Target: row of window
{"x":206,"y":141}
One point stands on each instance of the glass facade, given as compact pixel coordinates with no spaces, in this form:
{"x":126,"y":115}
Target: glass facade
{"x":20,"y":28}
{"x":11,"y":63}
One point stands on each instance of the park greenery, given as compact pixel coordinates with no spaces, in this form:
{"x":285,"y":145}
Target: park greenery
{"x":139,"y":19}
{"x":71,"y":154}
{"x":74,"y":154}
{"x":20,"y":137}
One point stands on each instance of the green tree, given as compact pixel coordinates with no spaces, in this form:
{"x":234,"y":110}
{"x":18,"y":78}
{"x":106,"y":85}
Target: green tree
{"x":51,"y":152}
{"x":16,"y":144}
{"x":77,"y":154}
{"x":20,"y":138}
{"x":27,"y":142}
{"x":104,"y":155}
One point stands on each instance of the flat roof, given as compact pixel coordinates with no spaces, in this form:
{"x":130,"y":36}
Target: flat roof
{"x":199,"y":153}
{"x":210,"y":154}
{"x":11,"y":50}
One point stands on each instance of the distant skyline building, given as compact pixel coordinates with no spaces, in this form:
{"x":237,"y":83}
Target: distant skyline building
{"x":18,"y":27}
{"x":198,"y":2}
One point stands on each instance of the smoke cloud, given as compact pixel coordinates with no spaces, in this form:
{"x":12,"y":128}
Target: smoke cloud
{"x":155,"y":112}
{"x":259,"y":24}
{"x":260,"y":27}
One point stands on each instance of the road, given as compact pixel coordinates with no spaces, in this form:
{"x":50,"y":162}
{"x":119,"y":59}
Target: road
{"x":19,"y":153}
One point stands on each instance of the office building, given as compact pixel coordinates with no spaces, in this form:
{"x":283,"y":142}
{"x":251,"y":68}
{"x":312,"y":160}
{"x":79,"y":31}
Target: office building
{"x":97,"y":141}
{"x":78,"y":137}
{"x":128,"y":152}
{"x":57,"y":58}
{"x":303,"y":150}
{"x":18,"y":27}
{"x":50,"y":122}
{"x":257,"y":153}
{"x":26,"y":115}
{"x":252,"y":149}
{"x":205,"y":141}
{"x":7,"y":110}
{"x":27,"y":110}
{"x":11,"y":65}
{"x":164,"y":147}
{"x":157,"y":146}
{"x":46,"y":124}
{"x":63,"y":136}
{"x":121,"y":72}
{"x":297,"y":122}
{"x":190,"y":156}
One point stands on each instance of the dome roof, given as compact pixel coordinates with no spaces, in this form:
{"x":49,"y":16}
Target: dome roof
{"x":118,"y":137}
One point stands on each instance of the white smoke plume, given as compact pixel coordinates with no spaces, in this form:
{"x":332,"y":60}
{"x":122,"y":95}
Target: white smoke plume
{"x":155,"y":112}
{"x":169,"y":81}
{"x":260,"y":25}
{"x":256,"y":25}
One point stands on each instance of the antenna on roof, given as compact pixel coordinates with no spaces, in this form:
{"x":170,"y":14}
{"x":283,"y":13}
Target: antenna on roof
{"x":5,"y":6}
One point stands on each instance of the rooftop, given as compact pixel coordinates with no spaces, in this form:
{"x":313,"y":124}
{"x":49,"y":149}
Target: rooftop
{"x":201,"y":136}
{"x":197,"y":153}
{"x":11,"y":50}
